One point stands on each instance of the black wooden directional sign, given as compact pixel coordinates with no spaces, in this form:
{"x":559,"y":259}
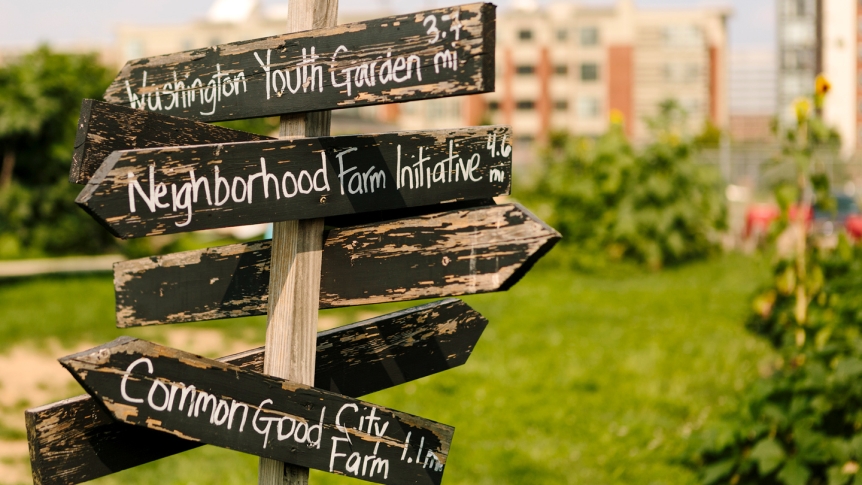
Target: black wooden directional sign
{"x":145,"y":384}
{"x":353,"y":360}
{"x":104,"y":128}
{"x":452,"y":253}
{"x":429,"y":54}
{"x":177,"y":189}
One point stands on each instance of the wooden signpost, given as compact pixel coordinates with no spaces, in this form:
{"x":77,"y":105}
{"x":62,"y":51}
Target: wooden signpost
{"x":411,"y":216}
{"x":353,"y":360}
{"x":213,"y":402}
{"x":431,"y":54}
{"x":105,"y":128}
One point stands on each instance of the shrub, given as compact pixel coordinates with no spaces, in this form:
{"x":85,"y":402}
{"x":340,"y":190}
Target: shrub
{"x":655,"y":205}
{"x":40,"y":98}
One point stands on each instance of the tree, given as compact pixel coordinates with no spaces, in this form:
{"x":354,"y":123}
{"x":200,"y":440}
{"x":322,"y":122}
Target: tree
{"x":40,"y":100}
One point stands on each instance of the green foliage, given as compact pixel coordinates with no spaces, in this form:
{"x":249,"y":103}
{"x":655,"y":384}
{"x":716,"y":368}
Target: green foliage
{"x":260,"y":126}
{"x":803,"y":424}
{"x":709,"y":136}
{"x":40,"y":100}
{"x":610,"y":201}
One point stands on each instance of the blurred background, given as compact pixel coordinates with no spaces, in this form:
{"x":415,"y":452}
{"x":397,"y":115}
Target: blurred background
{"x":700,"y":321}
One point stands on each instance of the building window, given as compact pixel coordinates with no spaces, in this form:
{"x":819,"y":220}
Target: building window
{"x":800,"y":33}
{"x":798,"y":59}
{"x":561,"y":105}
{"x":525,"y":34}
{"x":525,"y":69}
{"x":492,"y":105}
{"x":561,"y":69}
{"x":683,"y":36}
{"x":588,"y":107}
{"x":524,"y":105}
{"x":562,"y":35}
{"x":798,"y":8}
{"x":691,"y":107}
{"x":589,"y":36}
{"x":676,"y":72}
{"x":445,"y":108}
{"x":589,"y":71}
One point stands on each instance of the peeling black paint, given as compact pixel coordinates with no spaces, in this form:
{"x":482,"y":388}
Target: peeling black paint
{"x":76,"y":440}
{"x":485,"y":249}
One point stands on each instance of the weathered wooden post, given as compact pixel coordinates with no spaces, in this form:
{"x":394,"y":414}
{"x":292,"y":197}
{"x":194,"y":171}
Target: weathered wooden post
{"x":297,"y":247}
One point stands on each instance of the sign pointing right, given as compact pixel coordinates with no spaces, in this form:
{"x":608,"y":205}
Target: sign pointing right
{"x":459,"y":252}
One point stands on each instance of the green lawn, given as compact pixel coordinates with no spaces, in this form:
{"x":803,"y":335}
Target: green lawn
{"x":589,"y":379}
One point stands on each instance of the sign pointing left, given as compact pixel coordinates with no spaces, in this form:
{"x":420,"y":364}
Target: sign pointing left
{"x":205,"y":400}
{"x":157,"y":191}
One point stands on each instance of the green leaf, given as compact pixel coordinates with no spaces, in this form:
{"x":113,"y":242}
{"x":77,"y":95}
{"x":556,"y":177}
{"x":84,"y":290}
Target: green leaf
{"x":848,"y":368}
{"x":768,"y":454}
{"x":794,"y":472}
{"x":837,"y":477}
{"x":717,"y":471}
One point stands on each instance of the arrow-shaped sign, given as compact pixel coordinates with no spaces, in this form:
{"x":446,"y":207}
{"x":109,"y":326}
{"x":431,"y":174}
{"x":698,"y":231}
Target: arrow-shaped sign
{"x":178,"y":189}
{"x":354,"y":360}
{"x":199,"y":399}
{"x":460,"y":252}
{"x":104,"y":128}
{"x":430,"y":54}
{"x":75,"y":440}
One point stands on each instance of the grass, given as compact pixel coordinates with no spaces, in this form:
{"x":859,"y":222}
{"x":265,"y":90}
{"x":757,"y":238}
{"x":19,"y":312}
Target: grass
{"x":579,"y":378}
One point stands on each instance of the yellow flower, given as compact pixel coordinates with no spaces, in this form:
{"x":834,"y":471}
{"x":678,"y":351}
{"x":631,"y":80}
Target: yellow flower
{"x":617,"y":117}
{"x":802,"y":107}
{"x":822,"y":85}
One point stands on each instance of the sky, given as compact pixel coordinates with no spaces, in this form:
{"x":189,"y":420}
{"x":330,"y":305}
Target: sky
{"x":26,"y":23}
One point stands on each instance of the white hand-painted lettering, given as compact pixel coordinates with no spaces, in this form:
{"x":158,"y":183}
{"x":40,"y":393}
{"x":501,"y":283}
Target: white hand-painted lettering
{"x":219,"y":86}
{"x":276,"y":426}
{"x":131,"y":366}
{"x":262,"y":184}
{"x":209,"y":91}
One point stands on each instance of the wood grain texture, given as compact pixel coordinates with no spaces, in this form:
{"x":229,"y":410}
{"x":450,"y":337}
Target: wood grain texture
{"x":458,"y":252}
{"x":105,"y":128}
{"x":430,"y":54}
{"x":179,"y":189}
{"x":294,"y":279}
{"x":75,"y":440}
{"x":213,"y":402}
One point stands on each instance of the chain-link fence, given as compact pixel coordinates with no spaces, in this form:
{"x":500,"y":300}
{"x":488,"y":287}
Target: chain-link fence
{"x":759,"y":167}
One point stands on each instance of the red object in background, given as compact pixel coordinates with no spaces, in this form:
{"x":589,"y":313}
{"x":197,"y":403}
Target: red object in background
{"x":809,"y":216}
{"x":853,"y":226}
{"x":758,"y":218}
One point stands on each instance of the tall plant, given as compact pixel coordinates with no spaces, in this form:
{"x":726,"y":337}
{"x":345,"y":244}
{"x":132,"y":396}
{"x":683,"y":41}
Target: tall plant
{"x":802,"y":424}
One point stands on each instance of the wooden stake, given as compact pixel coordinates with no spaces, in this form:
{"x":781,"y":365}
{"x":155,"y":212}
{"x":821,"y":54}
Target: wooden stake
{"x":297,"y":247}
